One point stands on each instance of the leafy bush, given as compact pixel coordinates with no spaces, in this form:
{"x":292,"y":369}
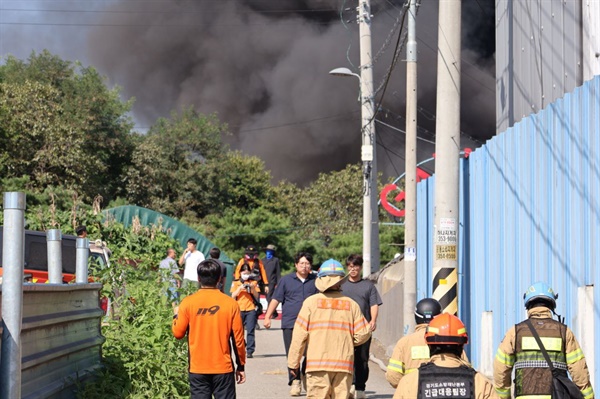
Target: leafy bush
{"x":141,"y":357}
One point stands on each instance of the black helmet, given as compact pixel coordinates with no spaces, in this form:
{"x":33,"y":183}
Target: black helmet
{"x":426,"y":310}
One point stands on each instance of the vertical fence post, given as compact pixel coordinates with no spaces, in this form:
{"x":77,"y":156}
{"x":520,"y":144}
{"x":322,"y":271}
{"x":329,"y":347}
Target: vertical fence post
{"x":54,"y":241}
{"x":13,"y":253}
{"x":81,"y":264}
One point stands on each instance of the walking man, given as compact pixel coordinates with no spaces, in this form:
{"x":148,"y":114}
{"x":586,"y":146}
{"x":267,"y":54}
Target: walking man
{"x":291,"y":292}
{"x":273,"y":270}
{"x":169,"y":266}
{"x":519,"y":350}
{"x":252,"y":259}
{"x":328,"y":327}
{"x":215,"y":253}
{"x":446,"y":375}
{"x":412,"y":350}
{"x":214,"y":329}
{"x":365,"y":294}
{"x":191,"y":258}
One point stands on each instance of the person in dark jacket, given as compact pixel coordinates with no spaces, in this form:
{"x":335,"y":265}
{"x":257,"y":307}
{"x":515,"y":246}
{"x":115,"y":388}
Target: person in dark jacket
{"x":273,"y":269}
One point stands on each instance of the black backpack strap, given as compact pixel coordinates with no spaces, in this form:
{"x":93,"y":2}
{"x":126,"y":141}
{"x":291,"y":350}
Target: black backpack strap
{"x":540,"y":344}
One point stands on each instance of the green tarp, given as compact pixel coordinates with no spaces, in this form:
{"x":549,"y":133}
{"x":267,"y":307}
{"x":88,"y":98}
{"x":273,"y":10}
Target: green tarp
{"x":179,"y":231}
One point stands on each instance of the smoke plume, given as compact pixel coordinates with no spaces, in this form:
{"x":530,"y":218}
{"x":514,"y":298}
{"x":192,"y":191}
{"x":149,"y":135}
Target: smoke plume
{"x":263,"y":66}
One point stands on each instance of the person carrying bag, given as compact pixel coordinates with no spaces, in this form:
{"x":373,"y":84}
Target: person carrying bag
{"x":538,"y":368}
{"x":245,"y":291}
{"x":562,"y":386}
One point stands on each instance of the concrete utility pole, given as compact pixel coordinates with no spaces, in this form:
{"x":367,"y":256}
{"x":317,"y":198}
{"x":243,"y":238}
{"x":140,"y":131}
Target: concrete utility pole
{"x":447,"y":149}
{"x":410,"y":178}
{"x":368,"y":151}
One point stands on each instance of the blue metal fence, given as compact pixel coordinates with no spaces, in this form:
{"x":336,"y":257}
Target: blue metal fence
{"x":530,"y":210}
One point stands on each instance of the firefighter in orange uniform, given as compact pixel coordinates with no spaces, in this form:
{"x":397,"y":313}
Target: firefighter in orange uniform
{"x":446,"y":375}
{"x":329,"y":326}
{"x":258,"y":269}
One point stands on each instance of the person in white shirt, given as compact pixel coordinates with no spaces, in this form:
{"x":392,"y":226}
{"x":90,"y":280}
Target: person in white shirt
{"x":191,"y":257}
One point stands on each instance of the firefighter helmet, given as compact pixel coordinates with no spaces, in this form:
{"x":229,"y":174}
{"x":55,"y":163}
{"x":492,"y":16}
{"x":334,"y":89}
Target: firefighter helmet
{"x":446,"y":329}
{"x":331,"y":273}
{"x":426,"y":310}
{"x":331,"y":267}
{"x":540,"y":291}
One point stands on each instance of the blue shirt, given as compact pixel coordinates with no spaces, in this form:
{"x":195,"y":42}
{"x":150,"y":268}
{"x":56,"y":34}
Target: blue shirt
{"x":291,"y":293}
{"x":170,"y":265}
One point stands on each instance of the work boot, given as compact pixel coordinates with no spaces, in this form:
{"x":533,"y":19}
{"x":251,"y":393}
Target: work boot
{"x":360,"y":395}
{"x":296,"y":389}
{"x":352,"y":392}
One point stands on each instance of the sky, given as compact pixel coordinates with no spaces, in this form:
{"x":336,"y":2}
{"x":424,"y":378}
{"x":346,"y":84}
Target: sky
{"x":262,"y":66}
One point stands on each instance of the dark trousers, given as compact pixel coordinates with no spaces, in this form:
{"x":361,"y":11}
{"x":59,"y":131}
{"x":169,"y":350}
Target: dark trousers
{"x":361,"y":365}
{"x":207,"y":386}
{"x":250,"y":319}
{"x":287,"y":341}
{"x":271,"y":292}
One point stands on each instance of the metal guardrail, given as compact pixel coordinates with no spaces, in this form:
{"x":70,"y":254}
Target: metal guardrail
{"x":51,"y":337}
{"x":60,"y":339}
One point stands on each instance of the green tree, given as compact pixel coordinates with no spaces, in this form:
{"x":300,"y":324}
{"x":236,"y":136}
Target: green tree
{"x":61,"y":125}
{"x":175,"y":167}
{"x":247,"y":184}
{"x":237,"y":228}
{"x":182,"y":168}
{"x":330,"y":205}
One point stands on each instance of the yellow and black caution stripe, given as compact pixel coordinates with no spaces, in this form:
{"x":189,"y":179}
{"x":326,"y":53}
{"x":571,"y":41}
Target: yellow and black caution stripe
{"x":445,"y":289}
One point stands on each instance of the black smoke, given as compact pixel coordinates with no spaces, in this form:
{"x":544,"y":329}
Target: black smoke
{"x":262,"y":66}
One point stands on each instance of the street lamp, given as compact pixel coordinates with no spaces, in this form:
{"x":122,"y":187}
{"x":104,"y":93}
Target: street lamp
{"x":343,"y":72}
{"x":370,"y":214}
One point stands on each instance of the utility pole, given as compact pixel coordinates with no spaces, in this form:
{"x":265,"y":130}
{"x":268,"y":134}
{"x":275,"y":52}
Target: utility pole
{"x":447,"y":149}
{"x":410,"y":178}
{"x":368,"y":150}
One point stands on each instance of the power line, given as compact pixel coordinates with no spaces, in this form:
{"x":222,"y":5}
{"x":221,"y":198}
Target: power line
{"x":297,"y":123}
{"x":291,"y":25}
{"x":277,"y":126}
{"x":402,"y":131}
{"x":184,"y":12}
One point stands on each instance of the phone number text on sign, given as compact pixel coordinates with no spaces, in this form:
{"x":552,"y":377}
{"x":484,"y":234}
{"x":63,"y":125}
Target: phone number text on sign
{"x":445,"y":252}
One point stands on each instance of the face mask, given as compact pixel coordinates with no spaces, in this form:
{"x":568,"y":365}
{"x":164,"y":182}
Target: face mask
{"x":245,"y":277}
{"x":270,"y":254}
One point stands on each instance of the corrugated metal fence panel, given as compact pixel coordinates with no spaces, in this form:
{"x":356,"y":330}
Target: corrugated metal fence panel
{"x":530,"y":211}
{"x":60,"y":338}
{"x":534,"y":214}
{"x":539,"y":54}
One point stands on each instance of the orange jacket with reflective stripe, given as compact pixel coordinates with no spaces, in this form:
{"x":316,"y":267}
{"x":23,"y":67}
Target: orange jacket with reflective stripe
{"x":331,"y":325}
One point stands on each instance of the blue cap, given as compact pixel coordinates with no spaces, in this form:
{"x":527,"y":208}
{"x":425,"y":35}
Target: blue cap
{"x":331,"y":267}
{"x":540,"y":290}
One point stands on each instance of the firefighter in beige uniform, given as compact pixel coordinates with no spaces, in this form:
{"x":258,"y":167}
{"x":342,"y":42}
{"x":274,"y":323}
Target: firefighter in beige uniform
{"x":532,"y":376}
{"x":329,"y":326}
{"x":412,"y":350}
{"x":446,"y":375}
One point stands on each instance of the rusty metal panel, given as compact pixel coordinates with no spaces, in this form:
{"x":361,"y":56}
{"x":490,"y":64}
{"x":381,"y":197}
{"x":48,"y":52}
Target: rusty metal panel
{"x":531,"y":211}
{"x":61,"y":338}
